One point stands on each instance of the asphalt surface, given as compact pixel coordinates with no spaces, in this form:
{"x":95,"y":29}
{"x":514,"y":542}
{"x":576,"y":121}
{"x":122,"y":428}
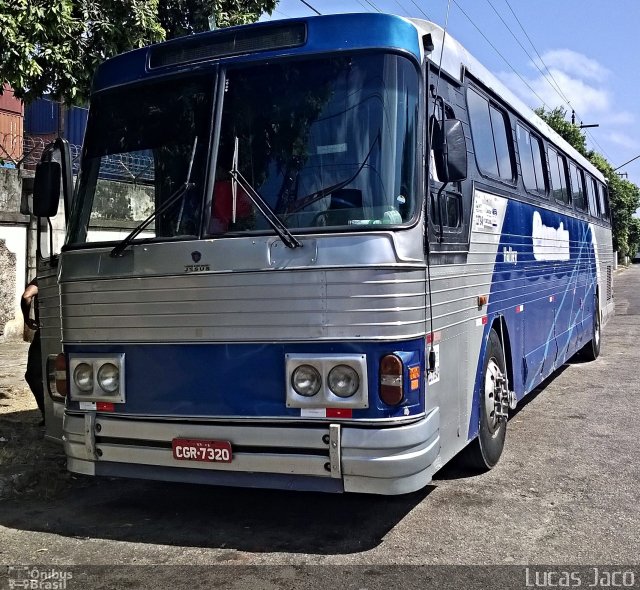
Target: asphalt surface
{"x":565,"y":492}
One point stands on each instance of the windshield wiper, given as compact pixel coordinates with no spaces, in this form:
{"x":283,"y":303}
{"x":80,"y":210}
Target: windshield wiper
{"x":119,"y":249}
{"x":288,"y":239}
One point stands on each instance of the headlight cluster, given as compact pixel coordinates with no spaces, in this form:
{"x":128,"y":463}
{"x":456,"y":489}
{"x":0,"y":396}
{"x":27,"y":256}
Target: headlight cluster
{"x":334,"y":380}
{"x":97,"y":379}
{"x":342,"y":381}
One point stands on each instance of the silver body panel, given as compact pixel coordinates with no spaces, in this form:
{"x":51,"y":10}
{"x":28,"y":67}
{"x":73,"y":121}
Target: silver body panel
{"x":394,"y":460}
{"x":360,"y":287}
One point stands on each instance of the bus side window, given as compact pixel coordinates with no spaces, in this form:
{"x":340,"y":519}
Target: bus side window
{"x":558,"y":167}
{"x":604,"y":201}
{"x":531,"y":161}
{"x":489,"y":130}
{"x":591,"y":195}
{"x":577,"y":187}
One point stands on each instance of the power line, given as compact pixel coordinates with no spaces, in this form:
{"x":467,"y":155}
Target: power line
{"x":555,"y":87}
{"x":562,"y":95}
{"x":558,"y":88}
{"x":373,"y":5}
{"x":402,"y":8}
{"x":420,"y":9}
{"x":311,"y":7}
{"x":500,"y":54}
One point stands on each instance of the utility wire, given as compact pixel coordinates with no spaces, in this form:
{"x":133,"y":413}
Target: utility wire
{"x":406,"y":12}
{"x":373,"y":5}
{"x":308,"y":5}
{"x":420,"y":9}
{"x":502,"y":56}
{"x":556,"y":88}
{"x":562,"y":95}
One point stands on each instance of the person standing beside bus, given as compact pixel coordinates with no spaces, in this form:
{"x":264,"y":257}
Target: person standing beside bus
{"x":33,"y":376}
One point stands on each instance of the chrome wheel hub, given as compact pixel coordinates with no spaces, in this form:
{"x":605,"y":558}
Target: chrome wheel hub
{"x":496,"y":396}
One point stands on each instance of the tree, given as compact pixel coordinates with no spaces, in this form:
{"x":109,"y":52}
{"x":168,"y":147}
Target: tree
{"x":624,"y":196}
{"x":185,"y":17}
{"x":54,"y":46}
{"x":557,"y":120}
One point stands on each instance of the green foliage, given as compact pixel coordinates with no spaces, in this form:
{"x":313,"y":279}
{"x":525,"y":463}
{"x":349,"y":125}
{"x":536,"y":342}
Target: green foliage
{"x":557,"y":120}
{"x":624,"y":196}
{"x":185,"y":17}
{"x":54,"y":46}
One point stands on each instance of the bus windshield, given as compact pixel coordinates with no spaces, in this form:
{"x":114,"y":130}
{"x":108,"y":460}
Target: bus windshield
{"x":325,"y":142}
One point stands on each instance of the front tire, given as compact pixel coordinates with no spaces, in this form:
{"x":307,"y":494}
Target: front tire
{"x":485,"y":451}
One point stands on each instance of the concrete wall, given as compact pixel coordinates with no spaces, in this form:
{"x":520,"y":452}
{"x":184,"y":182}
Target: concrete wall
{"x":14,"y":253}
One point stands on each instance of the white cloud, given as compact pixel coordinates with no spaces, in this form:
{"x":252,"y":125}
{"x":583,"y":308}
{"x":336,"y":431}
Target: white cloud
{"x":623,"y":140}
{"x":619,"y":118}
{"x":574,"y":63}
{"x":575,"y":74}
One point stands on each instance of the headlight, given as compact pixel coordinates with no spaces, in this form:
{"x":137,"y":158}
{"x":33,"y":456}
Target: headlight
{"x":343,"y":381}
{"x":306,"y":380}
{"x":109,"y":378}
{"x":83,"y":377}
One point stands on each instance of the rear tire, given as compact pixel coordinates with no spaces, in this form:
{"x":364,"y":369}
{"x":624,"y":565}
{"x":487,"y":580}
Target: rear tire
{"x":483,"y":453}
{"x":591,"y":350}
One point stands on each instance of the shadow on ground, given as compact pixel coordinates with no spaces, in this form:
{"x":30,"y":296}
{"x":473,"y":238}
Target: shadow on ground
{"x":55,"y":501}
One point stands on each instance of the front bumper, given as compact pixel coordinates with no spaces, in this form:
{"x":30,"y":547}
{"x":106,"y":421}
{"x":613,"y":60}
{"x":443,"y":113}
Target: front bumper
{"x":332,"y":457}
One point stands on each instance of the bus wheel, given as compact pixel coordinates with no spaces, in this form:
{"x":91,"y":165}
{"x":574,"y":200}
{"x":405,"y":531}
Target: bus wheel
{"x":591,"y":350}
{"x":484,"y":452}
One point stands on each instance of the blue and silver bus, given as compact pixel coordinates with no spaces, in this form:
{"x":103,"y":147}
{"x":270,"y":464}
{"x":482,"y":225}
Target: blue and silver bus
{"x":326,"y":253}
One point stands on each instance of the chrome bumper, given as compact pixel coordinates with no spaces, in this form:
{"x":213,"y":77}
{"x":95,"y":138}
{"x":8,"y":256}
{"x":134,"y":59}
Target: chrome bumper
{"x":335,"y":457}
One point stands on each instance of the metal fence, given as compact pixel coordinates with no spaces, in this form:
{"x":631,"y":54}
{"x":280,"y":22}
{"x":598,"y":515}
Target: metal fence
{"x":25,"y":152}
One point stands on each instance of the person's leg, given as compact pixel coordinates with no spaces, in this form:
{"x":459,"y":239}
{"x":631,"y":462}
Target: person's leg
{"x":33,"y":376}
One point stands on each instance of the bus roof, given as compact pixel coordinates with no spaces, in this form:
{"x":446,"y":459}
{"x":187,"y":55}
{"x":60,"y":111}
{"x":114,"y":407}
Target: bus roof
{"x":456,"y":60}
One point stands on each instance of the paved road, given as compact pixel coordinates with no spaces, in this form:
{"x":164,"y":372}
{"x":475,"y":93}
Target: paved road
{"x":565,"y":492}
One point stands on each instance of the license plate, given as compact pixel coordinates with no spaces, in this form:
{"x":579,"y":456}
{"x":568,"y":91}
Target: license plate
{"x":210,"y":451}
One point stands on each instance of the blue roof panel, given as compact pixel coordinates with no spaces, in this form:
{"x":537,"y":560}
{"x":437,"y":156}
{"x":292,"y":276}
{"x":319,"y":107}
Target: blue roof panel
{"x":338,"y":32}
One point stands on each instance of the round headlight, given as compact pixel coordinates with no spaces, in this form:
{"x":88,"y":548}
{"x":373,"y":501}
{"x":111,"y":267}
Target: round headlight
{"x":306,"y":380}
{"x":109,"y":377}
{"x":343,"y":381}
{"x":83,"y":377}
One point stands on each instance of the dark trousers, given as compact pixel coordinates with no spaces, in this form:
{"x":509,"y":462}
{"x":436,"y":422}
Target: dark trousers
{"x":33,"y":376}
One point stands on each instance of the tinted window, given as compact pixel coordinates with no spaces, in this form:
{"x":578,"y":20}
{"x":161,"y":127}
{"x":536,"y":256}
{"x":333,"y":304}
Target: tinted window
{"x":482,"y":133}
{"x":529,"y":148}
{"x":577,"y":187}
{"x":604,"y":201}
{"x":502,"y":144}
{"x":558,"y":168}
{"x":338,"y":148}
{"x":591,"y":195}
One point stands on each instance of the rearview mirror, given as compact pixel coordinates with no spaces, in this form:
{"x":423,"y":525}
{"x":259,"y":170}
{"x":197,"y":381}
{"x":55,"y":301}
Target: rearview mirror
{"x":46,"y":189}
{"x":456,"y":153}
{"x":450,"y":150}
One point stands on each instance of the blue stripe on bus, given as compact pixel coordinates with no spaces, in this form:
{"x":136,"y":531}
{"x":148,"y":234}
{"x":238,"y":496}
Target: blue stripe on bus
{"x":547,"y":333}
{"x":238,"y":380}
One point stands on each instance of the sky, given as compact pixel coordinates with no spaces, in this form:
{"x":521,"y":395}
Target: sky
{"x":588,"y":51}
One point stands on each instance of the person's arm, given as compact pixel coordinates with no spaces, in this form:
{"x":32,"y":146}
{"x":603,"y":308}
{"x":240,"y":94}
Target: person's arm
{"x":25,"y":305}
